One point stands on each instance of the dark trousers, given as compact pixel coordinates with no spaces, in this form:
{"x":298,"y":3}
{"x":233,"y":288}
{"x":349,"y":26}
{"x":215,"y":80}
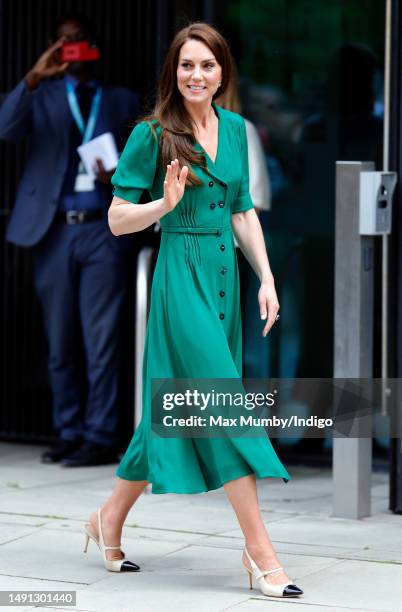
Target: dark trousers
{"x":81,"y":281}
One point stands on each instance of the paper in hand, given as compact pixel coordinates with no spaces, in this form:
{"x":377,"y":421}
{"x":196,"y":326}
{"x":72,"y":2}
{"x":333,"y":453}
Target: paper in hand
{"x":102,"y":147}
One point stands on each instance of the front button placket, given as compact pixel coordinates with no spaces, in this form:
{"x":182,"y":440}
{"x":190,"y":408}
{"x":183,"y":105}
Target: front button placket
{"x":219,"y":195}
{"x":222,"y":293}
{"x":223,"y":272}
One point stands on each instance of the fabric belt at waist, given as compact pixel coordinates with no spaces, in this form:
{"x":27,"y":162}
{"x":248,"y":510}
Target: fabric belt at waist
{"x":179,"y":229}
{"x":72,"y":217}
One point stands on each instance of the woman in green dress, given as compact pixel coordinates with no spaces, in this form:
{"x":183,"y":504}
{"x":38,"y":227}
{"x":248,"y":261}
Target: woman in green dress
{"x":191,"y":156}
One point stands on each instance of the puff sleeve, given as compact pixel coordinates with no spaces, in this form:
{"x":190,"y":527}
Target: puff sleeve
{"x":243,"y":200}
{"x":136,"y":170}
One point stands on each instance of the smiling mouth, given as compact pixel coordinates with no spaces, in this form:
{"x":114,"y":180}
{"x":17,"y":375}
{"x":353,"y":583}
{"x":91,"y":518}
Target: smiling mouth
{"x":196,"y":87}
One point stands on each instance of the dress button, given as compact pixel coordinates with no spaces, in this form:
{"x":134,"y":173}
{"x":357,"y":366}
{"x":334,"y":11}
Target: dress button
{"x":221,"y":204}
{"x":221,"y":316}
{"x":222,"y":247}
{"x":222,"y":293}
{"x":212,"y":205}
{"x":211,"y":183}
{"x":223,"y":270}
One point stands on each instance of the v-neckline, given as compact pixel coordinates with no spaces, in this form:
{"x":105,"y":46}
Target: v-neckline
{"x":213,"y":162}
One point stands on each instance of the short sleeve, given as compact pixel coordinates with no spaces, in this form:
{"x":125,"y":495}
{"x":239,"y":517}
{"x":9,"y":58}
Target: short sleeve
{"x":136,"y":170}
{"x":243,"y":200}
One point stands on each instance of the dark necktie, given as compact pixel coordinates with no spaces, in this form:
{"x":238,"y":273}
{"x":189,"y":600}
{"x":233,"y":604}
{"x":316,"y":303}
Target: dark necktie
{"x":84,"y":94}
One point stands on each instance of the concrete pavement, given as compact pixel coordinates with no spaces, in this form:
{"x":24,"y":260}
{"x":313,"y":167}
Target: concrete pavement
{"x":189,"y":546}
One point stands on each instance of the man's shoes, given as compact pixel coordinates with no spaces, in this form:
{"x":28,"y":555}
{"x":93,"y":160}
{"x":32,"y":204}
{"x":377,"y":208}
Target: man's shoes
{"x":60,"y":450}
{"x":90,"y":453}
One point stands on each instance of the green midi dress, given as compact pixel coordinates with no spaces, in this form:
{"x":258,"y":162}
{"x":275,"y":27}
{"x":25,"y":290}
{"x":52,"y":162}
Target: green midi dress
{"x":194,"y":325}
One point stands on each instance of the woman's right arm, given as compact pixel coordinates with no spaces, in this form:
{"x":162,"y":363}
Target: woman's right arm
{"x":126,"y":218}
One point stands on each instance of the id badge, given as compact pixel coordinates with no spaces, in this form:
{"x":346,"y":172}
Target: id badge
{"x":83,"y":181}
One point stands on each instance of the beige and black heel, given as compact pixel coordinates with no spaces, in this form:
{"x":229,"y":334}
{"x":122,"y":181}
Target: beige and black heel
{"x":112,"y":565}
{"x":287,"y":589}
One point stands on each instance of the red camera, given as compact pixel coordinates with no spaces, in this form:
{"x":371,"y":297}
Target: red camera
{"x":79,"y":52}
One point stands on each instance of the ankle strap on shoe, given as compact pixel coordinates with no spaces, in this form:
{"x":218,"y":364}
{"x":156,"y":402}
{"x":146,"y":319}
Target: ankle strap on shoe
{"x":258,"y":573}
{"x":262,"y":573}
{"x":278,"y":569}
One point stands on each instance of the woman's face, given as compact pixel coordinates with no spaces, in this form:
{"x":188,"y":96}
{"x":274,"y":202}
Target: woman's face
{"x":198,"y":72}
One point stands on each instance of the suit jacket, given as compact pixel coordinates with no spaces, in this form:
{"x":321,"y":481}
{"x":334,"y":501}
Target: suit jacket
{"x":45,"y":116}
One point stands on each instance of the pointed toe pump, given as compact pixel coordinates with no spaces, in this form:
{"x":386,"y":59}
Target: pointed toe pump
{"x":287,"y":589}
{"x":112,"y":565}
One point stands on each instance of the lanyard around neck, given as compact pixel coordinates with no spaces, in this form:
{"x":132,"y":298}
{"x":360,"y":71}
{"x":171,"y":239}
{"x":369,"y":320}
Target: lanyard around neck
{"x":87,"y":130}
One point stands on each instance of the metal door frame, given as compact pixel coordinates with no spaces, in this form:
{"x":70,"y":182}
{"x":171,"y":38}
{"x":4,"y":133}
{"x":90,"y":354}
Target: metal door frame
{"x":392,"y":338}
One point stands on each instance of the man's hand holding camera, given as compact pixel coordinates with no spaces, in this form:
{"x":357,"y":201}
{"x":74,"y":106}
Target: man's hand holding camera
{"x":48,"y":65}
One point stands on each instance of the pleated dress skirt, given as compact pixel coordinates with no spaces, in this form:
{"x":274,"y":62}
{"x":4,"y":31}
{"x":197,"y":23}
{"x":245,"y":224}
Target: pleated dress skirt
{"x":194,"y":331}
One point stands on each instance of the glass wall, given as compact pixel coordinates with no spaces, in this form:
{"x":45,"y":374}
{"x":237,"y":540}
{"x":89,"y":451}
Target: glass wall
{"x":311,"y":82}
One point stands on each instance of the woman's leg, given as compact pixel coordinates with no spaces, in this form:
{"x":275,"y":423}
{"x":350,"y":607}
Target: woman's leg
{"x":114,"y":512}
{"x":242,"y":494}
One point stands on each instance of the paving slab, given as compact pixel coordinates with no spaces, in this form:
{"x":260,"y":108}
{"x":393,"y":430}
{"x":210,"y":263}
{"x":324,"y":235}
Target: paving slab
{"x":227,"y":562}
{"x":131,"y":533}
{"x":19,"y":583}
{"x":331,"y":531}
{"x":258,"y":604}
{"x":313,"y":506}
{"x":10,"y":531}
{"x":165,"y":593}
{"x":181,"y":516}
{"x":189,"y":546}
{"x":47,"y":476}
{"x":360,"y":584}
{"x":22,"y":519}
{"x":53,"y":555}
{"x":290,"y":548}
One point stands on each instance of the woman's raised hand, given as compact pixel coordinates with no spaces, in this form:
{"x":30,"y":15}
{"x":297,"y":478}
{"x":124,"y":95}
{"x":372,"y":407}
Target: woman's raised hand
{"x":174,"y":184}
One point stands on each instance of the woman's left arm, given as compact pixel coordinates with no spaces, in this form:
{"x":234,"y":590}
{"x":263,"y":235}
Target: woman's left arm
{"x":247,"y":230}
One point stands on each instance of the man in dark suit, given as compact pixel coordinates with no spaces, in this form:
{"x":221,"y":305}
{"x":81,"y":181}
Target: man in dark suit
{"x":79,"y":266}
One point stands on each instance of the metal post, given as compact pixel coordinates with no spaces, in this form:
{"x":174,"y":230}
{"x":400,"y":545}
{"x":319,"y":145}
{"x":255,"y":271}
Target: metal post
{"x":385,"y":238}
{"x":144,"y":264}
{"x":353,"y":347}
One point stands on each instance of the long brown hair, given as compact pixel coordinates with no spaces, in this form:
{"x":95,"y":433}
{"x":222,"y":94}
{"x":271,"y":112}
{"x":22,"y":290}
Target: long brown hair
{"x":177,"y":138}
{"x":230,"y":98}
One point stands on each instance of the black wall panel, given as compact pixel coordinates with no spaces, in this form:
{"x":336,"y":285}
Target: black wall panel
{"x":134,"y":35}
